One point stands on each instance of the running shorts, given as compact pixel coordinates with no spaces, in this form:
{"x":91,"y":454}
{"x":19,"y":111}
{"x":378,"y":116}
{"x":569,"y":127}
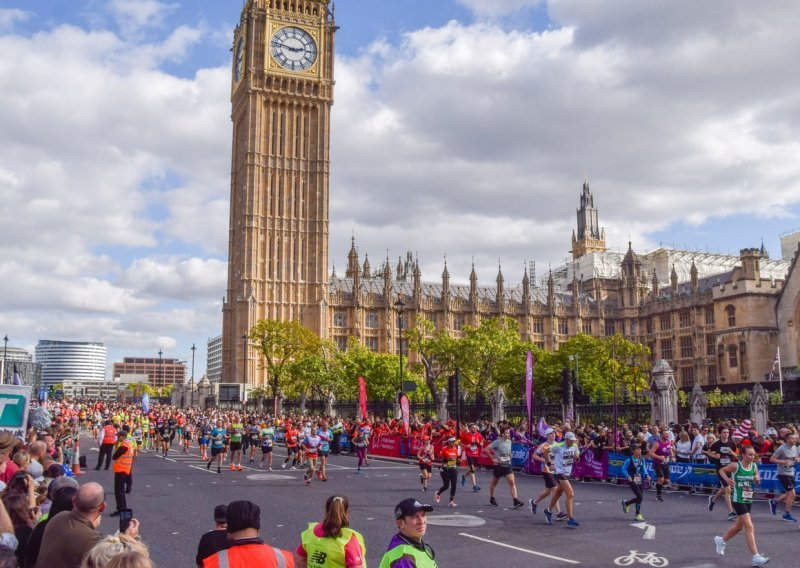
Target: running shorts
{"x":472,"y":462}
{"x":266,"y":449}
{"x":741,"y":508}
{"x":216,"y":451}
{"x":290,"y":450}
{"x":501,"y":471}
{"x":203,"y":441}
{"x":549,"y":480}
{"x":426,"y":467}
{"x":561,"y":477}
{"x":323,"y":454}
{"x":662,"y":470}
{"x":236,"y":446}
{"x":787,"y":481}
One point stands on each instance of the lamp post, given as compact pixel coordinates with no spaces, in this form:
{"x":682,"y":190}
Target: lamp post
{"x":160,"y":368}
{"x":576,"y":358}
{"x":244,"y":357}
{"x":191,"y":392}
{"x":400,"y":306}
{"x":614,"y":378}
{"x":3,"y":369}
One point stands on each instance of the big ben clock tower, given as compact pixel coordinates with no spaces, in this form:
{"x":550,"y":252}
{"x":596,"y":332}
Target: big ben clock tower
{"x":281,"y":97}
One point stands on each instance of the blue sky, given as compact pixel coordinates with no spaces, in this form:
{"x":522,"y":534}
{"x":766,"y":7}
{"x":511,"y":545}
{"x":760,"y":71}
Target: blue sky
{"x":450,"y":116}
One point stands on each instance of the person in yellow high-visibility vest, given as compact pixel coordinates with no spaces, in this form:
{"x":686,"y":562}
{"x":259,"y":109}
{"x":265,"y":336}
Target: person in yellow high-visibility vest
{"x":123,"y":465}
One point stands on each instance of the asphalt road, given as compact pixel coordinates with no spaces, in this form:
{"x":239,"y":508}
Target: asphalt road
{"x":174,"y":500}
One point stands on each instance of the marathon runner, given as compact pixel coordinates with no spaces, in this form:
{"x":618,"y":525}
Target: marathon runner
{"x":449,"y":471}
{"x":165,"y":434}
{"x":324,"y":448}
{"x":267,"y":440}
{"x":472,"y":441}
{"x":543,"y":455}
{"x":722,"y":453}
{"x":218,"y":440}
{"x":635,"y":470}
{"x":500,"y":452}
{"x":360,"y":443}
{"x":311,"y":444}
{"x":785,"y":457}
{"x":236,"y":432}
{"x":203,"y":439}
{"x":253,"y":439}
{"x":137,"y":436}
{"x":425,"y":456}
{"x":564,"y":454}
{"x":662,"y":453}
{"x":292,"y":452}
{"x":742,"y":477}
{"x":188,"y":429}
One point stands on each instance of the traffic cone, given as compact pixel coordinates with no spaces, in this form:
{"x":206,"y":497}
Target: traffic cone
{"x":76,"y":459}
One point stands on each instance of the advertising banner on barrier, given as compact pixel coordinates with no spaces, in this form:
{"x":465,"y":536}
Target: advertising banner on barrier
{"x":385,"y":445}
{"x":14,"y":409}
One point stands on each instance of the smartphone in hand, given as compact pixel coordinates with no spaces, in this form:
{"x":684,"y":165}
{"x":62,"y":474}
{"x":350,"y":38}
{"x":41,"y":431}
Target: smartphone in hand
{"x":125,"y":516}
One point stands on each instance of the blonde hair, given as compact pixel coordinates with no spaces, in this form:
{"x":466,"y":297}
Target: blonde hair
{"x":22,"y":459}
{"x":112,"y":549}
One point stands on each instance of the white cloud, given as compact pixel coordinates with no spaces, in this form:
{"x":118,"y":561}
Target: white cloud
{"x":10,"y":17}
{"x":133,"y":16}
{"x":496,"y":8}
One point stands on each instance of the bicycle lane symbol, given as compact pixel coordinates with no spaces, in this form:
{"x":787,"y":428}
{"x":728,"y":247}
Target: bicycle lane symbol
{"x":648,"y":558}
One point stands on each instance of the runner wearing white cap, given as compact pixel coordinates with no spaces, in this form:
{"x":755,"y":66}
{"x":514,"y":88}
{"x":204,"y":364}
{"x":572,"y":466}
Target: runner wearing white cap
{"x":564,"y":455}
{"x":543,"y":455}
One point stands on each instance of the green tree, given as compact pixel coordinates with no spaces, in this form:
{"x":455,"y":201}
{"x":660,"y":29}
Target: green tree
{"x":315,"y":372}
{"x":436,"y":351}
{"x":281,"y":343}
{"x":483,"y":352}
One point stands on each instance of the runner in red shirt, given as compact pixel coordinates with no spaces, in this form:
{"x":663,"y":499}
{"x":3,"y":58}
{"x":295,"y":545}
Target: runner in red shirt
{"x":292,"y":451}
{"x":425,"y":457}
{"x":472,"y":441}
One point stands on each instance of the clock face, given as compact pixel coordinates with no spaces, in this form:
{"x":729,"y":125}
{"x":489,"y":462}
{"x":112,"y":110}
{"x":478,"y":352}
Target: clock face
{"x":294,"y":48}
{"x":238,"y":65}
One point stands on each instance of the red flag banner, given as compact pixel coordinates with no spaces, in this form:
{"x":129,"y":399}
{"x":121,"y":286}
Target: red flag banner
{"x":406,"y":410}
{"x":362,"y":396}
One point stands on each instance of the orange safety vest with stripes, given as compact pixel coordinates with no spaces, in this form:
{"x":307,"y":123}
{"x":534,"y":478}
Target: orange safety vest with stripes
{"x":109,"y":434}
{"x":124,"y":462}
{"x":247,"y":555}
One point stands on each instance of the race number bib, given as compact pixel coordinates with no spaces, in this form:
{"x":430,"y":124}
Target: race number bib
{"x":473,"y":448}
{"x":637,"y":479}
{"x":724,"y":461}
{"x":568,"y":461}
{"x":505,"y":460}
{"x":747,"y":494}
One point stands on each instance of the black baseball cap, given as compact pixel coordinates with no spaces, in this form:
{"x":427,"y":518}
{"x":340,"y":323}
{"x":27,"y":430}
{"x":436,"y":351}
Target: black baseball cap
{"x":220,"y":513}
{"x":409,"y":507}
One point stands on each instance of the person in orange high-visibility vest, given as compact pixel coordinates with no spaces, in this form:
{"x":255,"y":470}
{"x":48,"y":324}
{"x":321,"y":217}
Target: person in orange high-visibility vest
{"x":107,"y":438}
{"x":123,"y":465}
{"x":245,"y":546}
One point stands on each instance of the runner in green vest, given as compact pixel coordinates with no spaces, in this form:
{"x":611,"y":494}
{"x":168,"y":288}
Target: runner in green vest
{"x":331,"y":543}
{"x":237,"y":428}
{"x":742,"y":477}
{"x":406,"y":549}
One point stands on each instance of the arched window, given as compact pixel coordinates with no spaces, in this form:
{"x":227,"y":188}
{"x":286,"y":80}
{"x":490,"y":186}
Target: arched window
{"x":730,"y":312}
{"x":733,"y":356}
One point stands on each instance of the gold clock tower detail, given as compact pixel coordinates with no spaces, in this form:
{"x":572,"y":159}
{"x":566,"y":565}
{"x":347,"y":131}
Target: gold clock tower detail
{"x":281,"y":97}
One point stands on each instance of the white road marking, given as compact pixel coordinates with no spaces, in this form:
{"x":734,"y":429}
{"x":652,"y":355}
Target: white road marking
{"x":268,"y":476}
{"x":649,"y":530}
{"x":542,"y":554}
{"x":456,"y":520}
{"x":201,"y":469}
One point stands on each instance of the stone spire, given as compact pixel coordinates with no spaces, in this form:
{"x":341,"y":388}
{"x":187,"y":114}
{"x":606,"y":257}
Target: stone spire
{"x":764,"y":252}
{"x":501,"y":293}
{"x":367,"y":270}
{"x":526,"y":291}
{"x":333,"y":272}
{"x":551,"y":290}
{"x":352,"y":260}
{"x":401,"y":275}
{"x":673,"y":278}
{"x":473,"y":288}
{"x":655,"y":284}
{"x":693,"y":273}
{"x":387,"y":281}
{"x":417,"y":284}
{"x":446,"y":286}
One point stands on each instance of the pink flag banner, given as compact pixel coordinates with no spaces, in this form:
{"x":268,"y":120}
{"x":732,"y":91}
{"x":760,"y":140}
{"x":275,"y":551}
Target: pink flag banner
{"x":529,"y":385}
{"x":406,"y":410}
{"x":542,"y":428}
{"x":362,"y":396}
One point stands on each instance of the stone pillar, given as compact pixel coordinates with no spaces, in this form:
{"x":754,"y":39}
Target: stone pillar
{"x":279,"y":409}
{"x":759,"y":408}
{"x":498,"y":404}
{"x":441,"y":411}
{"x":303,"y":399}
{"x":698,"y":405}
{"x":663,"y":393}
{"x":329,"y":409}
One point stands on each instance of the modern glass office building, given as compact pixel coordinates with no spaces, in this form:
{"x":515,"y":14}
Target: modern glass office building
{"x":67,"y":360}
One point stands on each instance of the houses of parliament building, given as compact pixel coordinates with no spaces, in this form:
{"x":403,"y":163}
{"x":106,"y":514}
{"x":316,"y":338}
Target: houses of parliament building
{"x":717,"y":319}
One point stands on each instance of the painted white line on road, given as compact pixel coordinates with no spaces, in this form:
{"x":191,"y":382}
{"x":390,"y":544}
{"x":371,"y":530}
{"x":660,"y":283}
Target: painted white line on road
{"x":203,"y":469}
{"x":170,"y":459}
{"x":542,"y":554}
{"x":649,"y":530}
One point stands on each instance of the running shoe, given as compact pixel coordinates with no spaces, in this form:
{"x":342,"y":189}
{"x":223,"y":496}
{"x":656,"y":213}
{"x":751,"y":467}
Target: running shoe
{"x":562,"y":516}
{"x":492,"y":501}
{"x":638,"y":517}
{"x":437,"y":497}
{"x":719,"y":543}
{"x":475,"y":488}
{"x":732,"y":516}
{"x":463,"y":480}
{"x":773,"y":506}
{"x":533,"y":506}
{"x":759,"y":559}
{"x":573,"y":524}
{"x":270,"y":468}
{"x":659,"y":498}
{"x":452,"y":504}
{"x":548,"y":516}
{"x":518,"y":503}
{"x":710,"y":502}
{"x":233,"y":468}
{"x":789,"y":518}
{"x":625,"y":507}
{"x":283,"y":465}
{"x":424,"y":489}
{"x":293,"y":467}
{"x":239,"y":468}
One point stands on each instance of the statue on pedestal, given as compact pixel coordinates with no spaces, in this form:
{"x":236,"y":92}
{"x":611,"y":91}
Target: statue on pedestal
{"x":698,"y":405}
{"x":759,"y":408}
{"x":498,"y":404}
{"x":329,"y":400}
{"x":663,"y":393}
{"x":441,"y":411}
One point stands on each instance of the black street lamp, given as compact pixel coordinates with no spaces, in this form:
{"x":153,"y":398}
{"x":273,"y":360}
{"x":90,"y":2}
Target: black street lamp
{"x":191,"y":392}
{"x":160,"y":368}
{"x":244,"y":357}
{"x":5,"y":350}
{"x":400,"y":306}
